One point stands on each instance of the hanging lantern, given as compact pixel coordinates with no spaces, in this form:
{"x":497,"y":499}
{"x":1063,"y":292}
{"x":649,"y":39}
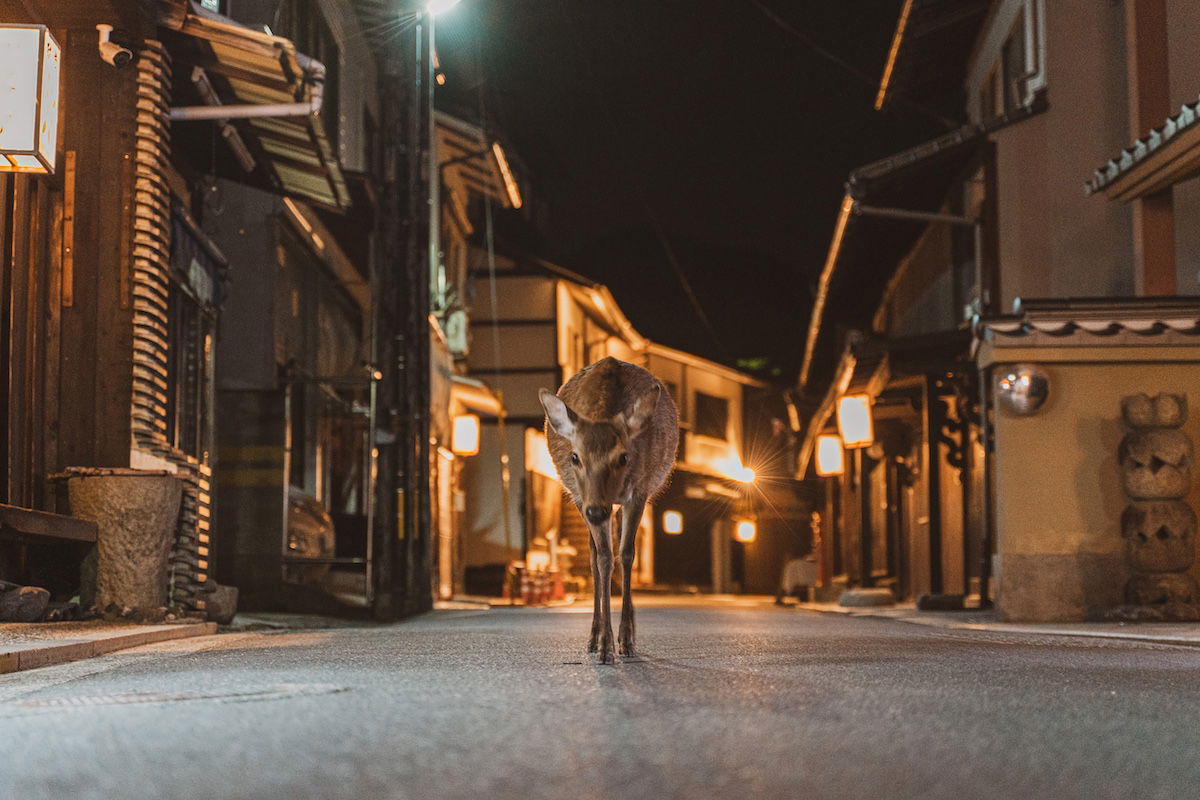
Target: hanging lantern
{"x":831,"y":459}
{"x":30,"y":62}
{"x":464,"y":440}
{"x":854,"y":420}
{"x":745,"y":530}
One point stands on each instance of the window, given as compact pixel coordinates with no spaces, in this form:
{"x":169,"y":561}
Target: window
{"x":1012,"y":59}
{"x":303,"y":23}
{"x":712,"y":416}
{"x":1014,"y":71}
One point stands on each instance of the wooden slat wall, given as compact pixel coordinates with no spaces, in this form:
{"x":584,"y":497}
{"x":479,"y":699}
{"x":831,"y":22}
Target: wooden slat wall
{"x":29,"y":338}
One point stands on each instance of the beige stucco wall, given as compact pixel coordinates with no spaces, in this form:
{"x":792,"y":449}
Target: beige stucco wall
{"x":1054,"y":241}
{"x":1183,"y":31}
{"x":1058,"y":497}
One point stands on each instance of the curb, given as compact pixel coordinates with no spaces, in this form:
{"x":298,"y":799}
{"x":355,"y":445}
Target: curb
{"x":1189,"y":639}
{"x":31,"y":656}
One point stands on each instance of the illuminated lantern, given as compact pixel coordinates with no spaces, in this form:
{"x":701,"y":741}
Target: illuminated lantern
{"x":831,"y":459}
{"x":465,"y":438}
{"x":854,"y":421}
{"x":745,"y":530}
{"x":30,"y":61}
{"x":672,"y":522}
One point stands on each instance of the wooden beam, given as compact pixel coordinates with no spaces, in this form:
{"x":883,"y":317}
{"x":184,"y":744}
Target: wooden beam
{"x":1149,"y":106}
{"x":44,"y":524}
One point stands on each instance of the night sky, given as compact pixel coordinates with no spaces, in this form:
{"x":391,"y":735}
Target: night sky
{"x":700,"y":128}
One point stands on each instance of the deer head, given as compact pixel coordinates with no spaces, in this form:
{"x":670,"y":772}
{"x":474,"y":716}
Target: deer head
{"x":603,"y":453}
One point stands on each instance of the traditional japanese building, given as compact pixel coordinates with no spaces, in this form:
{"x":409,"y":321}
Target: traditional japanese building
{"x":993,"y":318}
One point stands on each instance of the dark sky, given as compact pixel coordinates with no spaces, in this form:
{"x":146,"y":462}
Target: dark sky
{"x":703,"y":124}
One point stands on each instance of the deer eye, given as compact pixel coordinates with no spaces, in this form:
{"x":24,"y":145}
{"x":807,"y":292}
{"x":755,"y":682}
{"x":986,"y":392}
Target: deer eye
{"x":575,"y":459}
{"x":623,"y":459}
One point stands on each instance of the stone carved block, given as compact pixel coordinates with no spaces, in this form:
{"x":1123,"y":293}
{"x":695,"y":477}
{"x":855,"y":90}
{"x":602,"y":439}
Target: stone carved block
{"x":1156,"y":463}
{"x":1159,"y":528}
{"x":1159,"y":535}
{"x":1161,"y":411}
{"x":1156,"y":588}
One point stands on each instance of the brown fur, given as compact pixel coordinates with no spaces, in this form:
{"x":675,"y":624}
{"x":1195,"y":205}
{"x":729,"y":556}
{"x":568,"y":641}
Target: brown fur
{"x":621,"y":425}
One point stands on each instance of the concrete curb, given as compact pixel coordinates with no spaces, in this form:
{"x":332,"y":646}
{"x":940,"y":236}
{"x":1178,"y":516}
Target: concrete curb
{"x":1179,"y":634}
{"x":15,"y":658}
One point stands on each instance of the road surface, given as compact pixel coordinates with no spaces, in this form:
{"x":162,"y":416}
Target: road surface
{"x":729,"y":700}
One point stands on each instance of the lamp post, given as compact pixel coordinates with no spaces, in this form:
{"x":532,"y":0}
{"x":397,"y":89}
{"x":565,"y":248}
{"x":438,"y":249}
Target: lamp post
{"x":857,"y":431}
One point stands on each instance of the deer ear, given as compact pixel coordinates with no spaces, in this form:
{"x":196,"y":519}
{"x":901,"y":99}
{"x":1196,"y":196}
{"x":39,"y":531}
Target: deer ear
{"x":562,"y":418}
{"x":636,"y":416}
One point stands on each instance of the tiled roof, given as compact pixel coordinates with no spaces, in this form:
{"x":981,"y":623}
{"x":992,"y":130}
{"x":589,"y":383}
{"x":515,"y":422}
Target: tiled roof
{"x":1163,"y":146}
{"x":1100,"y":317}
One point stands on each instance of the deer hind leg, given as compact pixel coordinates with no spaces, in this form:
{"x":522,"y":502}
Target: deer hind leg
{"x":631,"y":517}
{"x":602,"y":560}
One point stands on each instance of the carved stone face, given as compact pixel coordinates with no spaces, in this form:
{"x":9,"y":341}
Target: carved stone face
{"x":1156,"y":464}
{"x":1161,"y":411}
{"x":1159,"y":536}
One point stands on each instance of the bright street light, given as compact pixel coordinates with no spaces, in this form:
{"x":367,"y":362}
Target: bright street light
{"x":438,"y":7}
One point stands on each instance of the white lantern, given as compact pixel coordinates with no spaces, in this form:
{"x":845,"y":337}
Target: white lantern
{"x":830,"y":458}
{"x":854,"y":421}
{"x":30,"y":63}
{"x":464,"y":439}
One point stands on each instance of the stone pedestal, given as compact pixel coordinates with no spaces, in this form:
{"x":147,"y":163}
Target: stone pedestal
{"x":137,"y":512}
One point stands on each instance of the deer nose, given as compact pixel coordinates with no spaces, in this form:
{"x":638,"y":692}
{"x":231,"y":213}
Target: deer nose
{"x":597,"y":514}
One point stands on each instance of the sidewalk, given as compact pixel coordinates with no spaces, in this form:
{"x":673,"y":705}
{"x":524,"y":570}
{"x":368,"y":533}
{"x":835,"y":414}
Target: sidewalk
{"x":1181,"y":633}
{"x":43,"y":644}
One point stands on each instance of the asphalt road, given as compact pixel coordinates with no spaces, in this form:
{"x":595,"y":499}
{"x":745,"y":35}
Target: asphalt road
{"x":726,"y":701}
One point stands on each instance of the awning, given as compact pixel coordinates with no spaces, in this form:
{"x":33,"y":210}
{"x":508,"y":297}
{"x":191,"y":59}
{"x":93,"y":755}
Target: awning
{"x":467,"y":154}
{"x":866,"y":250}
{"x":1167,"y":155}
{"x":265,"y":98}
{"x":475,"y":396}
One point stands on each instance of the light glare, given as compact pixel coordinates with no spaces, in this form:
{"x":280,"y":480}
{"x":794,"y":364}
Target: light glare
{"x":436,"y":8}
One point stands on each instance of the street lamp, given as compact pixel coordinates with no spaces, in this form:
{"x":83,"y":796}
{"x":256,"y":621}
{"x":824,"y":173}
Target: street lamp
{"x":435,"y":8}
{"x":30,"y":61}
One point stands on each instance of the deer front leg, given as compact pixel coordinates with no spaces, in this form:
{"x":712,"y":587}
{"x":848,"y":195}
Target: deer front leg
{"x":631,"y":517}
{"x":603,"y":559}
{"x":594,"y":639}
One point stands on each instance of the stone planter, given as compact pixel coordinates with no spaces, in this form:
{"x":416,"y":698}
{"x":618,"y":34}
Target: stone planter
{"x":137,"y":512}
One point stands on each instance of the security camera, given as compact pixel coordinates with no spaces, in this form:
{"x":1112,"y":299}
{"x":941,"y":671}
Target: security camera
{"x":112,"y":52}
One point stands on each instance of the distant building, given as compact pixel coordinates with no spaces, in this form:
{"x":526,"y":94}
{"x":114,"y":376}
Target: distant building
{"x":546,"y":324}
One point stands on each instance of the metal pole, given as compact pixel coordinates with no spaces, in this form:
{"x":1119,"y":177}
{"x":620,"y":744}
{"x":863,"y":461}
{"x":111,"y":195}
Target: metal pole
{"x":933,"y":470}
{"x":915,"y":216}
{"x":985,"y":436}
{"x":865,"y":534}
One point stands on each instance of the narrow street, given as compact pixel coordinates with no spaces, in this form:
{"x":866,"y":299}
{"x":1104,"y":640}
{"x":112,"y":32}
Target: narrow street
{"x":732,"y":699}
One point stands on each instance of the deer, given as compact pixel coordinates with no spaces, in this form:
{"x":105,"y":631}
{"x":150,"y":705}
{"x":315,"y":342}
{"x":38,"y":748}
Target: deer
{"x":612,"y":431}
